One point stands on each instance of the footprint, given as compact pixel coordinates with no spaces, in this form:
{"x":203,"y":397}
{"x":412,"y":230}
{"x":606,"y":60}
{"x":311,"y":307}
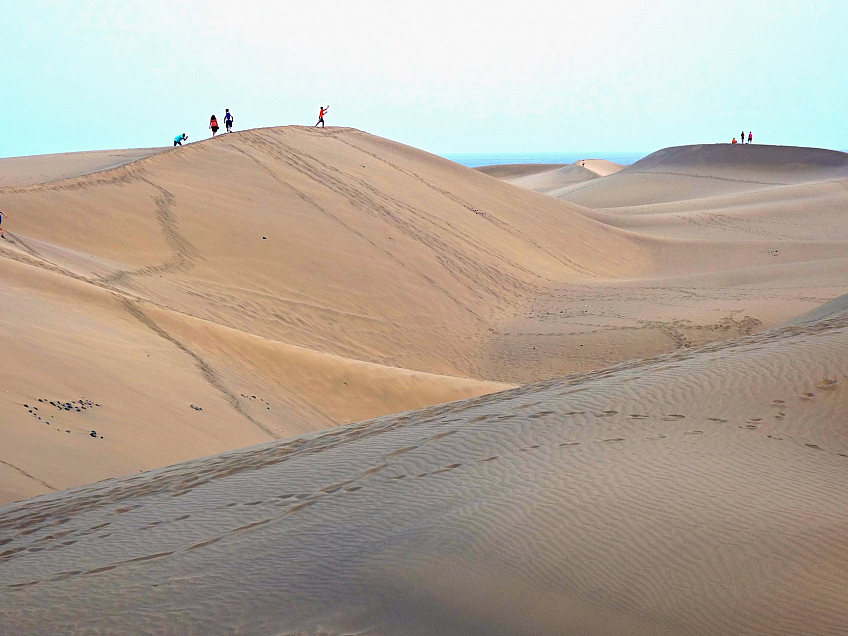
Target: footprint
{"x":570,"y":444}
{"x":814,"y":446}
{"x":656,"y":438}
{"x":750,"y":427}
{"x":754,"y":420}
{"x":575,"y":413}
{"x":672,"y":417}
{"x":615,"y":439}
{"x":807,"y":396}
{"x":826,"y":384}
{"x":489,"y":459}
{"x":606,"y":413}
{"x":398,"y":477}
{"x":530,"y":447}
{"x":780,"y":416}
{"x":635,"y":416}
{"x":717,"y":419}
{"x":694,"y":433}
{"x":773,"y":437}
{"x":541,"y":414}
{"x":778,"y":402}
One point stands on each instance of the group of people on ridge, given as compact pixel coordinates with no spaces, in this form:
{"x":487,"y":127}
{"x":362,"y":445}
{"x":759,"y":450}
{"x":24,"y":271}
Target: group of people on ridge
{"x":228,"y":122}
{"x":742,"y":138}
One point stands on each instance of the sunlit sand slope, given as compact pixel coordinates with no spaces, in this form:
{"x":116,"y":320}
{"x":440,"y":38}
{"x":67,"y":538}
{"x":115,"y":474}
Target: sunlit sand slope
{"x":257,"y":285}
{"x":699,"y":493}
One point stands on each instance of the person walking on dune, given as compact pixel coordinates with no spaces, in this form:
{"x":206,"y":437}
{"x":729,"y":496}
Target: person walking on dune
{"x":2,"y":233}
{"x":321,"y":114}
{"x":228,"y":120}
{"x":751,"y":137}
{"x":213,"y":124}
{"x":179,"y":139}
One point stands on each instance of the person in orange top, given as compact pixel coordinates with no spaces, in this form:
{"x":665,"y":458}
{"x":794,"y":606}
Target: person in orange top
{"x":734,"y":140}
{"x":321,"y":113}
{"x":213,"y":124}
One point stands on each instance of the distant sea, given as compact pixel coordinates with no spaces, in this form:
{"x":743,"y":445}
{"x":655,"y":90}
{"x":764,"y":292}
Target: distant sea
{"x":476,"y":160}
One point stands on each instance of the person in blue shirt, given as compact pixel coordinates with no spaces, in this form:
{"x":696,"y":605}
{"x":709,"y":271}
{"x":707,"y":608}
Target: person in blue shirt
{"x":228,"y":121}
{"x":179,"y":139}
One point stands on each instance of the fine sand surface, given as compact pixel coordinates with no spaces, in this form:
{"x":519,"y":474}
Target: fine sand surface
{"x":274,"y":282}
{"x":18,"y":171}
{"x":702,"y":492}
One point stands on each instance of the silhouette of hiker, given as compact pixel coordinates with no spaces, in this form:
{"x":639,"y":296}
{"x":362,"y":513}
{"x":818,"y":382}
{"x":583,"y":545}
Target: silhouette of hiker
{"x":228,"y":120}
{"x":742,"y":137}
{"x":179,"y":139}
{"x":213,"y":124}
{"x":750,"y":137}
{"x":2,"y":233}
{"x":321,"y":114}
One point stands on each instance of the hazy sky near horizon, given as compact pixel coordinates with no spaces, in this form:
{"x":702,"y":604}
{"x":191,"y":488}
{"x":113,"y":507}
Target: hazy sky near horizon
{"x":448,"y":77}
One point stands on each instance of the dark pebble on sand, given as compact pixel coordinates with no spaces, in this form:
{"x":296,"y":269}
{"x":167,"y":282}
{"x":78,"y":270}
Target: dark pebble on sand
{"x":93,"y":433}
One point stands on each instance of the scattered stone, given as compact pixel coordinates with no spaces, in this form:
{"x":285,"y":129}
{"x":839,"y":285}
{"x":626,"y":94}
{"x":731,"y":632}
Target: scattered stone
{"x":93,"y":434}
{"x":196,"y":408}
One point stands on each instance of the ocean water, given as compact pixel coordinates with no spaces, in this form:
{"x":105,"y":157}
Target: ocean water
{"x":476,"y":160}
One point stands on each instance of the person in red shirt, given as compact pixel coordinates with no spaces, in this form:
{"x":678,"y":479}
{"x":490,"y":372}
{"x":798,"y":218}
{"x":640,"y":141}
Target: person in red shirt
{"x":734,"y":140}
{"x":750,"y":137}
{"x":321,"y":113}
{"x":213,"y":124}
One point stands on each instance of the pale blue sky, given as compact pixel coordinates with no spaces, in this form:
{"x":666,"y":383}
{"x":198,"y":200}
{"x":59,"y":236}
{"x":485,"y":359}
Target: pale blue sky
{"x":452,"y":77}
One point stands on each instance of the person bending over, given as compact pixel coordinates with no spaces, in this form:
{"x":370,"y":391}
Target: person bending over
{"x":179,"y":139}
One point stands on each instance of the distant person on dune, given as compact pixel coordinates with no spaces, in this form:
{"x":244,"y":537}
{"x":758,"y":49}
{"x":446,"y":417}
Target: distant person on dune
{"x":742,"y":137}
{"x":321,"y":114}
{"x":228,"y":120}
{"x":179,"y":139}
{"x":2,"y":233}
{"x":213,"y":124}
{"x":750,"y":137}
{"x":734,"y":140}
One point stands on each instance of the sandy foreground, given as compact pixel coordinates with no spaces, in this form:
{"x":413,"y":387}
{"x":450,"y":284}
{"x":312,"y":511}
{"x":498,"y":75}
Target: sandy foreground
{"x":681,"y":468}
{"x":701,"y":492}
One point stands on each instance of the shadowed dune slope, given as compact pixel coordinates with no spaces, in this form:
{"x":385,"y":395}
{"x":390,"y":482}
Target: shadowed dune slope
{"x":257,"y":285}
{"x":699,"y":493}
{"x":693,"y":172}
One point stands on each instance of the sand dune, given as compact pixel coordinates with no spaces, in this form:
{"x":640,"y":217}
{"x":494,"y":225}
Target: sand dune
{"x":701,"y":492}
{"x":551,"y":179}
{"x":693,"y":172}
{"x":20,"y":171}
{"x":363,"y":276}
{"x":274,"y":282}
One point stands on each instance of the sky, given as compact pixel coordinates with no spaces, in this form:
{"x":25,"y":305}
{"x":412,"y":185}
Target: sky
{"x":447,"y":77}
